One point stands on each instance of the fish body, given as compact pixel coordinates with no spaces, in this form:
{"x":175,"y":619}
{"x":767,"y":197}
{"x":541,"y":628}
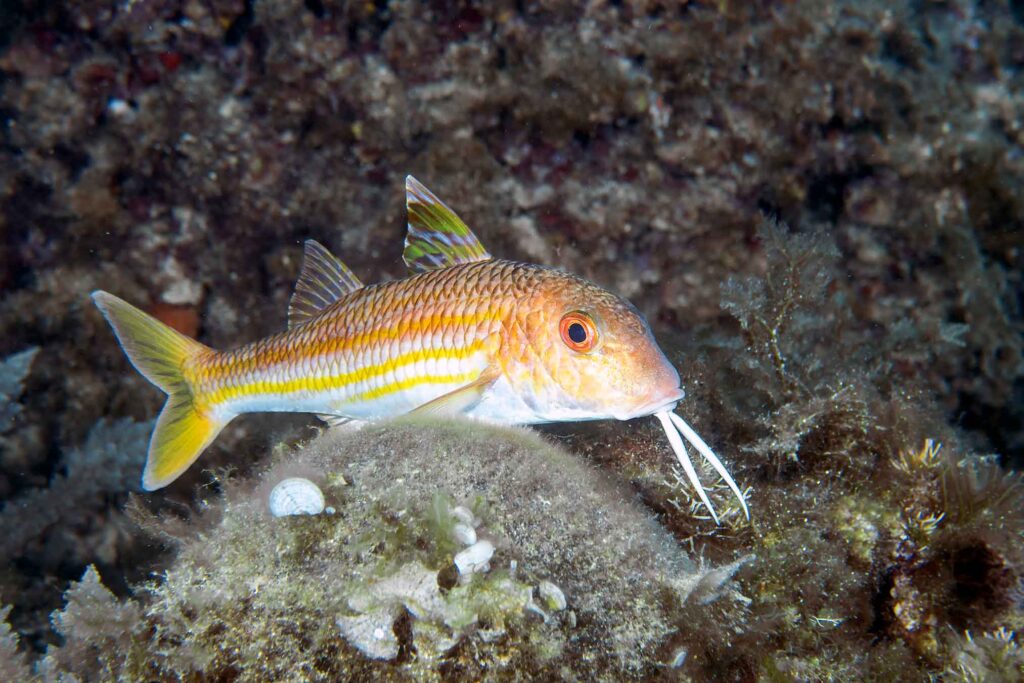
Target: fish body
{"x":497,"y":340}
{"x":388,"y":349}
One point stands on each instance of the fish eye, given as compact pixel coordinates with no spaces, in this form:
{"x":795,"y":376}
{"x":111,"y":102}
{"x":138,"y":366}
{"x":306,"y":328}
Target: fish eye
{"x":578,"y":331}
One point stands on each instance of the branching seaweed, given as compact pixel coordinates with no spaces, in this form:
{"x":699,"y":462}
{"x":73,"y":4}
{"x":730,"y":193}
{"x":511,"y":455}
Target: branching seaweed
{"x":995,"y":656}
{"x":13,"y":666}
{"x":798,"y":352}
{"x":793,"y":291}
{"x":107,"y":463}
{"x":13,"y":371}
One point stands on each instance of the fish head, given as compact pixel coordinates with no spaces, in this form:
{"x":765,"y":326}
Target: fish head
{"x":589,"y":354}
{"x":583,"y":353}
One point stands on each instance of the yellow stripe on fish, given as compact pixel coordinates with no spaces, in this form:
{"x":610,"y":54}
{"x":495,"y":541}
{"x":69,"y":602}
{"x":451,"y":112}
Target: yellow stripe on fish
{"x":467,"y":333}
{"x":226,"y":392}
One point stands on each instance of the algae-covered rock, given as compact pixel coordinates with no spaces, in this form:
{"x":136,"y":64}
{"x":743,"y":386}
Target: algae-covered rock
{"x":556,"y":518}
{"x":369,"y":587}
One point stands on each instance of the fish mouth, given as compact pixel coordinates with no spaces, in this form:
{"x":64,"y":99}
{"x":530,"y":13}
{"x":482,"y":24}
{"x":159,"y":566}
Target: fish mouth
{"x":662,"y":403}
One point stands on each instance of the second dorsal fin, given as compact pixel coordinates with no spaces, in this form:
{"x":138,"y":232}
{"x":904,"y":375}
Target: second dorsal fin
{"x":437,"y":238}
{"x":323,"y":280}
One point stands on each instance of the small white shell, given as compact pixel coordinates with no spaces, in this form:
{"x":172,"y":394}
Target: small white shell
{"x":296,"y":496}
{"x":552,"y":596}
{"x":475,"y":558}
{"x":679,"y":658}
{"x":464,"y":534}
{"x":464,"y":515}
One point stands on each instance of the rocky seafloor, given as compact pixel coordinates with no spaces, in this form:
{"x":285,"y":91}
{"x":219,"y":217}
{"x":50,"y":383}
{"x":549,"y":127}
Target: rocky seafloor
{"x":818,"y":206}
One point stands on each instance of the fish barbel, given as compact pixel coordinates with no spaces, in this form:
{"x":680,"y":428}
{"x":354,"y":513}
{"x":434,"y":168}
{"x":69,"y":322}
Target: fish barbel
{"x":506,"y":342}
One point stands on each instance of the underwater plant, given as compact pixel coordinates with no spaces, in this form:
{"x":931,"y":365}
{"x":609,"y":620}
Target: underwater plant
{"x":13,"y":664}
{"x":106,"y":464}
{"x":13,"y":371}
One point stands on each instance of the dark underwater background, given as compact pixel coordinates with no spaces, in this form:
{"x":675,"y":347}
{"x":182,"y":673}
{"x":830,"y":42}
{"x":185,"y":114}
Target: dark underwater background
{"x":817,"y":205}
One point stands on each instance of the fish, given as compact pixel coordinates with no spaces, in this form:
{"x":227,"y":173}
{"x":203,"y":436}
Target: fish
{"x":466,"y":333}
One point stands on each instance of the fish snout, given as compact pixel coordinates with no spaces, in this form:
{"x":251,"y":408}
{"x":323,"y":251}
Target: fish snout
{"x":664,"y":399}
{"x":656,"y":387}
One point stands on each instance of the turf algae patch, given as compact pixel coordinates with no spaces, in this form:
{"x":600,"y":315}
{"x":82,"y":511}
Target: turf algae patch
{"x":551,"y":517}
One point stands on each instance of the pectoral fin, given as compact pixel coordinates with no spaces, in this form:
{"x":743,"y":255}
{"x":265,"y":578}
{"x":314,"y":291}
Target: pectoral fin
{"x":460,"y":400}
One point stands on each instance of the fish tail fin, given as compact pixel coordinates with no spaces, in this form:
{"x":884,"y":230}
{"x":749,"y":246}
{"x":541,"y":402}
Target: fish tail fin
{"x":181,"y":435}
{"x":160,"y":353}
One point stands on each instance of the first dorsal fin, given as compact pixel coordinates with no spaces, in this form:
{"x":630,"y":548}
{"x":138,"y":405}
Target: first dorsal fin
{"x":437,"y":238}
{"x":323,"y":280}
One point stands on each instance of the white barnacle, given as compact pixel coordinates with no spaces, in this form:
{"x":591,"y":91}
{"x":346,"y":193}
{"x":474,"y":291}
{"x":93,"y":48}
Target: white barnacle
{"x":296,"y":496}
{"x":671,"y":422}
{"x":475,"y":558}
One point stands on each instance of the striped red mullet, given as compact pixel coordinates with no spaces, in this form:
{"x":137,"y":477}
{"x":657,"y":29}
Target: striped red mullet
{"x":507,"y":342}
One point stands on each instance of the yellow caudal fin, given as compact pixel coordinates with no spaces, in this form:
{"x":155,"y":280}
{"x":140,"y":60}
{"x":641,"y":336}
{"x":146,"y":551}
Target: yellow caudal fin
{"x":159,"y":353}
{"x":182,"y":433}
